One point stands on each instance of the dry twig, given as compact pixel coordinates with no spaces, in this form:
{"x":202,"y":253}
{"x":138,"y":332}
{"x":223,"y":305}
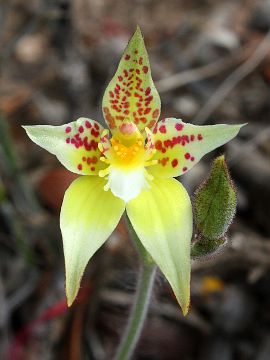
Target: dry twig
{"x":233,"y":79}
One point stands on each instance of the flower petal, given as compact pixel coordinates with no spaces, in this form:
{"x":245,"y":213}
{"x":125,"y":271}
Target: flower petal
{"x":88,"y":217}
{"x":74,"y":144}
{"x":162,"y":219}
{"x":181,"y":145}
{"x":131,"y":95}
{"x":127,"y":184}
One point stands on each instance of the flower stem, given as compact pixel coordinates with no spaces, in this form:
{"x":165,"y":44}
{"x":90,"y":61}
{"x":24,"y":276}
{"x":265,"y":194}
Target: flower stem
{"x":141,"y":304}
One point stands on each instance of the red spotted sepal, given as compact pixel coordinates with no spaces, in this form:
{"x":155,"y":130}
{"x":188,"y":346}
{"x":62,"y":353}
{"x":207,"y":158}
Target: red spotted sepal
{"x":74,"y":144}
{"x":131,"y":95}
{"x":179,"y":146}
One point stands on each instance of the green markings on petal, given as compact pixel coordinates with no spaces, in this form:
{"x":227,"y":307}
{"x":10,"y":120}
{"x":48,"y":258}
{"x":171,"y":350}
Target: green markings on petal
{"x":131,"y":95}
{"x":88,"y":217}
{"x":74,"y":144}
{"x":162,"y":219}
{"x":214,"y":209}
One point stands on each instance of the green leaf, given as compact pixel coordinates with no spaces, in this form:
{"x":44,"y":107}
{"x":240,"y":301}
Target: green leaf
{"x":131,"y":95}
{"x":215,"y":202}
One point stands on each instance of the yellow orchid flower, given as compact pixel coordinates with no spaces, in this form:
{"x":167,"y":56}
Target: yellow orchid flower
{"x":133,"y":170}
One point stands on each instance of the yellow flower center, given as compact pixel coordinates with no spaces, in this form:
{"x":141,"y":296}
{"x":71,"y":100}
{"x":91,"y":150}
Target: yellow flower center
{"x":127,"y":149}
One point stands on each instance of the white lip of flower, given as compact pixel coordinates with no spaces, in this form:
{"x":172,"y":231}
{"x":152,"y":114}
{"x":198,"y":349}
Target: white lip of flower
{"x":127,"y":156}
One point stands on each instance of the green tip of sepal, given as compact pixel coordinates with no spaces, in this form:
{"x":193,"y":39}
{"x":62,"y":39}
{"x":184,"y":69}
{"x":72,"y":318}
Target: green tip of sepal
{"x":215,"y":202}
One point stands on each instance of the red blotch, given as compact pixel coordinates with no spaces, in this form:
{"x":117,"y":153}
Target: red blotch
{"x":162,"y":129}
{"x":81,"y":129}
{"x":163,"y":161}
{"x":68,"y":140}
{"x":68,"y":129}
{"x":179,"y":127}
{"x":187,"y":155}
{"x":127,"y":57}
{"x":96,"y":126}
{"x":147,"y":111}
{"x":174,"y":163}
{"x":147,"y":91}
{"x":92,"y":168}
{"x":155,"y":113}
{"x":192,"y":158}
{"x":145,"y":69}
{"x":192,"y":137}
{"x":200,"y":137}
{"x":79,"y":167}
{"x":88,"y":125}
{"x":149,"y":98}
{"x":158,"y":145}
{"x":185,"y":168}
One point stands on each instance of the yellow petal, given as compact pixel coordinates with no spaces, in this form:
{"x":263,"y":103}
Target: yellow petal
{"x":131,"y":95}
{"x":88,"y":217}
{"x":181,"y":145}
{"x":162,"y":219}
{"x":74,"y":144}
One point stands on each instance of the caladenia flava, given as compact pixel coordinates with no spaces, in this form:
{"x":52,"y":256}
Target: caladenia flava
{"x":130,"y":167}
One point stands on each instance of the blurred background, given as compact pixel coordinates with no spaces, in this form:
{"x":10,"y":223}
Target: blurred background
{"x":211,"y":63}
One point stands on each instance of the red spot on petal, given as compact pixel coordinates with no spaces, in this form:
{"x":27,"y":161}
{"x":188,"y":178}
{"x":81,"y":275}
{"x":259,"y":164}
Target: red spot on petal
{"x":127,"y":57}
{"x":148,"y":91}
{"x":68,"y":129}
{"x":79,"y":167}
{"x":174,"y":163}
{"x":179,"y":127}
{"x":200,"y":137}
{"x":149,"y":98}
{"x":92,"y":168}
{"x":155,"y":113}
{"x":147,"y":111}
{"x":68,"y":140}
{"x":145,"y":69}
{"x":158,"y":145}
{"x":81,"y":129}
{"x":185,"y":168}
{"x":162,"y":129}
{"x":88,"y":125}
{"x":187,"y":155}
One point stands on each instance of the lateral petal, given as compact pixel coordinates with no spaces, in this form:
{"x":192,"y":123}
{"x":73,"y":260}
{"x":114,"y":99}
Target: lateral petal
{"x":74,"y":144}
{"x":162,"y":219}
{"x":181,"y":145}
{"x":88,"y":217}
